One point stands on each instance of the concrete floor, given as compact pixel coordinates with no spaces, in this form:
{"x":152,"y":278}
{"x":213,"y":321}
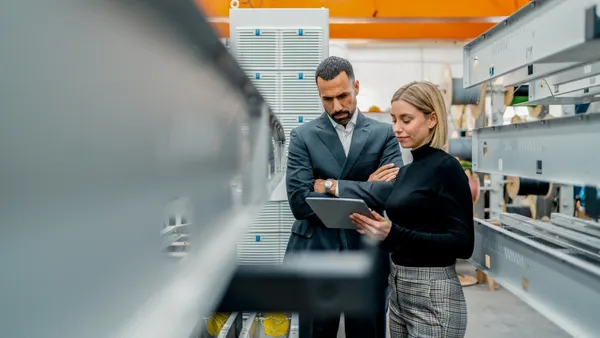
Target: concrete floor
{"x":500,"y":314}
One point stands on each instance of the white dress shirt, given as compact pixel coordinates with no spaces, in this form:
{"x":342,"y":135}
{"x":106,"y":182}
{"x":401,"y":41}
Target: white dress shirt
{"x":345,"y":135}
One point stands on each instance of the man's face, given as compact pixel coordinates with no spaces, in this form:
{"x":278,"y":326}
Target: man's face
{"x":339,"y":97}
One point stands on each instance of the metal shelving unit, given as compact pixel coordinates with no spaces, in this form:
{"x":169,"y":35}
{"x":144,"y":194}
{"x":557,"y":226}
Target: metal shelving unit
{"x":545,"y":150}
{"x":560,"y":62}
{"x":532,"y":37}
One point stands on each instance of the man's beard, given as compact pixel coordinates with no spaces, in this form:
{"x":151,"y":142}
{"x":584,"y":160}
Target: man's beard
{"x":347,"y":115}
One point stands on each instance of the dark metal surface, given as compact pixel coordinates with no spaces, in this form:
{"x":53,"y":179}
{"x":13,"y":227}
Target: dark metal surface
{"x":592,"y":23}
{"x":461,"y":147}
{"x":313,"y":282}
{"x":592,"y":202}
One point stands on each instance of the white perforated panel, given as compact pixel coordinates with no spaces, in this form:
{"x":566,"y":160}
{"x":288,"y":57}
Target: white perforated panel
{"x":260,"y":248}
{"x":257,"y":48}
{"x":269,"y":86}
{"x":283,"y":47}
{"x":299,"y":94}
{"x":266,"y":240}
{"x":291,"y":121}
{"x":268,"y":219}
{"x":261,"y":243}
{"x":301,"y":48}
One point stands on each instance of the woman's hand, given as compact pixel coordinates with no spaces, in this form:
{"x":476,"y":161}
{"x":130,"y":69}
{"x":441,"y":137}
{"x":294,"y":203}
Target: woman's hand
{"x":377,"y":227}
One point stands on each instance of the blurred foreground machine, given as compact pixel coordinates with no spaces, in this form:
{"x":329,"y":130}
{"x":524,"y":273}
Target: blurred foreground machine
{"x":134,"y":152}
{"x":555,"y":266}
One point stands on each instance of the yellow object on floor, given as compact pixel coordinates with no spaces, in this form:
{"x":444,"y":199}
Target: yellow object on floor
{"x":215,"y":323}
{"x":276,"y":324}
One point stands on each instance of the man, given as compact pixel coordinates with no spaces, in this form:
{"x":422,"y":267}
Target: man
{"x":334,"y":155}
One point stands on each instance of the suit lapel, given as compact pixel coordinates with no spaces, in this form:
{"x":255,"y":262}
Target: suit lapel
{"x":330,"y":138}
{"x":360,"y":136}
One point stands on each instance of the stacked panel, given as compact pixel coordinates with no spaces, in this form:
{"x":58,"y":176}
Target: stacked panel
{"x":280,"y":59}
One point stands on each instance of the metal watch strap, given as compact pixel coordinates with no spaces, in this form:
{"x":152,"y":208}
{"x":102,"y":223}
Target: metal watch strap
{"x":328,"y":185}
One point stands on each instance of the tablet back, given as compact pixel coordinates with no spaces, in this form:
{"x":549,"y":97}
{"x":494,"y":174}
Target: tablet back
{"x":335,"y":212}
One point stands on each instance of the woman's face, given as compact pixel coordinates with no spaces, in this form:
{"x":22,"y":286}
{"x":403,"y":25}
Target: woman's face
{"x":411,"y":126}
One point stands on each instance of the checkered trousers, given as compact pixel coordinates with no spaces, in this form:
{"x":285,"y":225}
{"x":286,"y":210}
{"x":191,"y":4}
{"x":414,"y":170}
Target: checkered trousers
{"x":426,"y":303}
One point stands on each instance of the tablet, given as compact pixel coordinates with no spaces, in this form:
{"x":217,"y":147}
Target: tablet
{"x":335,"y":212}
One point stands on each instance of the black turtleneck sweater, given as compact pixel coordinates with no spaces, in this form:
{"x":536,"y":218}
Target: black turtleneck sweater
{"x":431,"y":210}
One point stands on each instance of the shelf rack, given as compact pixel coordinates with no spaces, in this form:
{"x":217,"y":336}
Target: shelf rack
{"x":546,"y":150}
{"x":556,"y":282}
{"x":554,"y":47}
{"x":557,"y":34}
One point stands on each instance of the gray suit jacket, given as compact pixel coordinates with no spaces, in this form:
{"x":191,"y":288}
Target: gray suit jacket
{"x":315,"y":151}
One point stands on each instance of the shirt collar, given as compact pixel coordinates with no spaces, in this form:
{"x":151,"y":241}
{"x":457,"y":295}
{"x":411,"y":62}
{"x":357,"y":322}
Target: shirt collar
{"x":351,"y":123}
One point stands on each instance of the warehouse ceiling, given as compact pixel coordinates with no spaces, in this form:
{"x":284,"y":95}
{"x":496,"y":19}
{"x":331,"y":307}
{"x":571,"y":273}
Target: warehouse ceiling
{"x":386,"y":19}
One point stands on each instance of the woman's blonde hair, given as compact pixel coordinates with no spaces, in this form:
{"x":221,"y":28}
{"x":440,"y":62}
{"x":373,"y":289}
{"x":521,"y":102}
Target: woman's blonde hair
{"x":427,"y":98}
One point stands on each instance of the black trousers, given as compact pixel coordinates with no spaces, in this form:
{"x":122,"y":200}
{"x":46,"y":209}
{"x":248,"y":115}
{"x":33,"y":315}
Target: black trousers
{"x":363,"y":326}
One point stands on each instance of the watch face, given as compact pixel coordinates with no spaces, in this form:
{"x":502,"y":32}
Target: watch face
{"x":328,"y":184}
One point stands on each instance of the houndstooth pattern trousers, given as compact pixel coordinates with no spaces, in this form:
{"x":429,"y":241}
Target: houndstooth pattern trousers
{"x":426,"y":303}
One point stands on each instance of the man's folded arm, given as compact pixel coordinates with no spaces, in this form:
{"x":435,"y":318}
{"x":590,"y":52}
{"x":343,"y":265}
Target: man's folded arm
{"x":375,"y":194}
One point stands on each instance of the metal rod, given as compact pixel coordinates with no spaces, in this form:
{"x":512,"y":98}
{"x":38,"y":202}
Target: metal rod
{"x":577,"y":224}
{"x":553,"y":234}
{"x":533,"y":271}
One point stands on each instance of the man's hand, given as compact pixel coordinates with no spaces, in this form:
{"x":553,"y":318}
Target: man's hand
{"x":319,"y":187}
{"x":385,"y":173}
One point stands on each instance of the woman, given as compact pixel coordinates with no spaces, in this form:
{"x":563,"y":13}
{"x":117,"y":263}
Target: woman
{"x":431,"y":222}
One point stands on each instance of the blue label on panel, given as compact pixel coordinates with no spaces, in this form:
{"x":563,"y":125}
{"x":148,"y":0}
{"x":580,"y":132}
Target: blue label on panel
{"x":257,"y":32}
{"x":301,"y":32}
{"x":300,"y":119}
{"x":257,"y":76}
{"x":258,"y":238}
{"x":300,"y":76}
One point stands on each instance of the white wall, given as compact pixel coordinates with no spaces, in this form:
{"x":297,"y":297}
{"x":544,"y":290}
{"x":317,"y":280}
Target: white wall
{"x":382,"y":69}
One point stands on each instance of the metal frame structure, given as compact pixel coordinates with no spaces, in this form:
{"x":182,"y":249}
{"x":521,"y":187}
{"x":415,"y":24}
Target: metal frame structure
{"x":232,"y":328}
{"x":154,"y":121}
{"x":252,"y":327}
{"x":531,"y":149}
{"x":532,"y":36}
{"x":561,"y":63}
{"x":165,"y":315}
{"x":554,"y":281}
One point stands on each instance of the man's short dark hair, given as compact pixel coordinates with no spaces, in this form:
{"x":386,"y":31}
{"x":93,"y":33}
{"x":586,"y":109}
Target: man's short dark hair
{"x":333,"y":66}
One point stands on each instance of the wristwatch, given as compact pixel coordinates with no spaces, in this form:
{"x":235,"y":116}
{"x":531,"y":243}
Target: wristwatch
{"x":328,"y":186}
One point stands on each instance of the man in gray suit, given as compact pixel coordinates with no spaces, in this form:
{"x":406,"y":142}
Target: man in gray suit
{"x":345,"y":154}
